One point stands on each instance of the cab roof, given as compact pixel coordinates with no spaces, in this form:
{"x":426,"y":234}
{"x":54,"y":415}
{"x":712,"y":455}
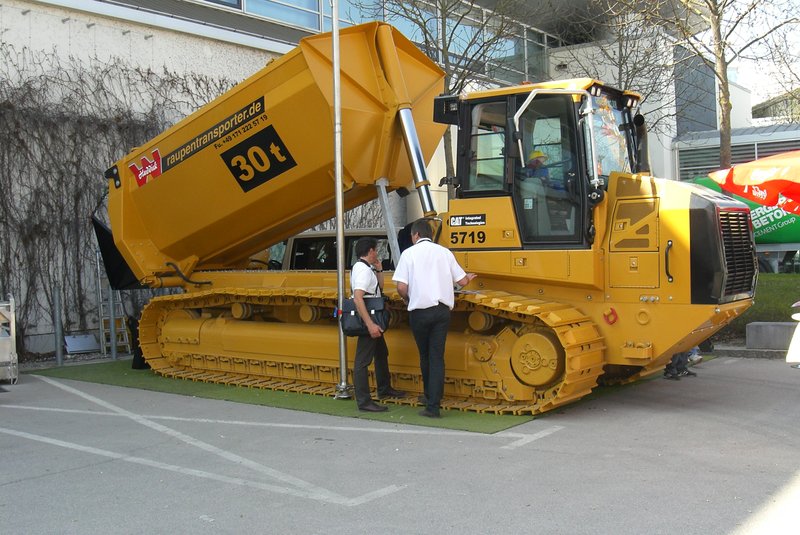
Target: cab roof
{"x":571,"y":83}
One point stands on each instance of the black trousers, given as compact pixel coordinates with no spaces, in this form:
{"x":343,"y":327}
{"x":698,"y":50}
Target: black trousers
{"x":429,"y":326}
{"x":678,"y":363}
{"x":368,"y":348}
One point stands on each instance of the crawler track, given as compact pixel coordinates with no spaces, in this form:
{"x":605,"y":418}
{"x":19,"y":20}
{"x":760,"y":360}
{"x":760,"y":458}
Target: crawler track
{"x":532,"y":355}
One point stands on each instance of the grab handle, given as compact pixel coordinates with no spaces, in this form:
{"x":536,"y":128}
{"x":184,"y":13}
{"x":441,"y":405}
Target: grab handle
{"x":666,"y":260}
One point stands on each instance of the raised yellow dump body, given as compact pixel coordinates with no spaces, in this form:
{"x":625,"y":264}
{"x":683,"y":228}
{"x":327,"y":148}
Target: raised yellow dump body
{"x":588,"y":268}
{"x":255,"y":166}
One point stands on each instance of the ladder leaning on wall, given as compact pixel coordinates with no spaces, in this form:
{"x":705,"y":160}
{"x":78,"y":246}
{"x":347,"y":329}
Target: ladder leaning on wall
{"x":106,"y":313}
{"x":9,"y":369}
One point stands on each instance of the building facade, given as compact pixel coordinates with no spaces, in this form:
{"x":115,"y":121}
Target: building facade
{"x":784,"y":108}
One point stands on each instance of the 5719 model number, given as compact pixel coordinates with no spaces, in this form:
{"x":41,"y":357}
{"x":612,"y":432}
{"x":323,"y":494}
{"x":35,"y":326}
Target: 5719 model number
{"x":467,"y":237}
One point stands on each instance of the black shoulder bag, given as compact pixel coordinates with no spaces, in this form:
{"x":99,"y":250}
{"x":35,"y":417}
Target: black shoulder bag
{"x":353,"y":325}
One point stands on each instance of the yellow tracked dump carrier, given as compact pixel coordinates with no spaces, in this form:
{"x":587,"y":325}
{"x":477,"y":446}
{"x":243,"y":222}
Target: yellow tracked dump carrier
{"x":589,"y":268}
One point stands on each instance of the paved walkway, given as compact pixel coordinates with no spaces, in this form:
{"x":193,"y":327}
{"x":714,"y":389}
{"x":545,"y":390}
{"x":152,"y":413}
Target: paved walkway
{"x":710,"y":454}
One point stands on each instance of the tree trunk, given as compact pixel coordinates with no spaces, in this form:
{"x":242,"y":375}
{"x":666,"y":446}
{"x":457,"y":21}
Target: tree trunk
{"x":724,"y":97}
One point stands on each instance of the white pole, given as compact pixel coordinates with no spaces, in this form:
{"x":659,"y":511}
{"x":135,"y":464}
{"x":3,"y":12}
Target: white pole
{"x":112,"y":322}
{"x":58,"y":326}
{"x":342,"y":389}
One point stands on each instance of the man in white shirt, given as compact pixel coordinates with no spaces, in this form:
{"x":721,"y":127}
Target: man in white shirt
{"x":425,"y":275}
{"x":366,"y":279}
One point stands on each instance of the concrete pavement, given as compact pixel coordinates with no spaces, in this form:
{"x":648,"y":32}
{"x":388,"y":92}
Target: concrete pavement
{"x":717,"y":453}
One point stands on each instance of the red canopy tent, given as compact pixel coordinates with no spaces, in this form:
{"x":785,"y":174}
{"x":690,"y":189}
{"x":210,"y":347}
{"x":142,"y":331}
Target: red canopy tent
{"x":771,"y":181}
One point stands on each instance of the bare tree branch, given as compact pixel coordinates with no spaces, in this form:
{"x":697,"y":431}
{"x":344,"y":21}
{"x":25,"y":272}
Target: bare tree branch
{"x":718,"y":32}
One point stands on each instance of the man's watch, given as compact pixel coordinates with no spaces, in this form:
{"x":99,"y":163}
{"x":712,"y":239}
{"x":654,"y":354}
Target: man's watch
{"x":376,"y":270}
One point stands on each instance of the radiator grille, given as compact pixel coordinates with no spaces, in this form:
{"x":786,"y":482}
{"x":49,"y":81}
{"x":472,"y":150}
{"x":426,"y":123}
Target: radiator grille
{"x":740,"y":258}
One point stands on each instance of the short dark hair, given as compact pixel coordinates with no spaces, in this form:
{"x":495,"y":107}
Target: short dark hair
{"x":422,"y":227}
{"x":363,"y":246}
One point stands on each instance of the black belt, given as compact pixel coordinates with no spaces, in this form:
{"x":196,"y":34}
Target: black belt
{"x":430,"y":308}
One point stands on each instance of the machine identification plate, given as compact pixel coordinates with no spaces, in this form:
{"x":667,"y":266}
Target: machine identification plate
{"x":472,"y":220}
{"x":258,"y":159}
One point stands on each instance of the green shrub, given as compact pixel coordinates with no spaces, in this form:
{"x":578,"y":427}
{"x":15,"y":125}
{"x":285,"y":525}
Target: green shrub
{"x":775,"y":295}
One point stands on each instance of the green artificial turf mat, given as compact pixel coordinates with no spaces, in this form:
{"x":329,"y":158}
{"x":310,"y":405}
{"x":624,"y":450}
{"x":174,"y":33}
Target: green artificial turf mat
{"x":119,"y":373}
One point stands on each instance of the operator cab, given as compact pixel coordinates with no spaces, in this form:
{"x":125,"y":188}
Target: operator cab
{"x":550,"y":149}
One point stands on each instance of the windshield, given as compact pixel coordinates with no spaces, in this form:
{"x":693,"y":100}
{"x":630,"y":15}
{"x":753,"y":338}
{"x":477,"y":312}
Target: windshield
{"x":610,"y":124}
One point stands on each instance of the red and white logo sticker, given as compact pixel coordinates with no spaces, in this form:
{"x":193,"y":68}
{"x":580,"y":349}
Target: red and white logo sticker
{"x":147,"y":168}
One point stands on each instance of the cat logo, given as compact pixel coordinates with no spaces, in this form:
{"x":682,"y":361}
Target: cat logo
{"x":468,"y":220}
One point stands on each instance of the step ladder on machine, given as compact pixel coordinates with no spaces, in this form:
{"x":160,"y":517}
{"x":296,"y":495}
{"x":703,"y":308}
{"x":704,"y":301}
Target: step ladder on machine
{"x":109,"y":313}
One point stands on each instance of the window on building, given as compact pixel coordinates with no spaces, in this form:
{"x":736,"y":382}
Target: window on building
{"x":303,"y":13}
{"x":310,"y":14}
{"x":464,"y":31}
{"x":230,"y":3}
{"x":349,"y":14}
{"x":536,"y":65}
{"x":412,"y":30}
{"x":507,"y":60}
{"x":513,"y":60}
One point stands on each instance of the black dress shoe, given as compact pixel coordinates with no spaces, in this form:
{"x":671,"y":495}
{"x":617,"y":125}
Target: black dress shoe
{"x":373,"y":407}
{"x":392,"y":393}
{"x":428,"y":414}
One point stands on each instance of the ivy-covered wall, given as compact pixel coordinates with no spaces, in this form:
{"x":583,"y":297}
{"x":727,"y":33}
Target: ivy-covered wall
{"x":63,"y":122}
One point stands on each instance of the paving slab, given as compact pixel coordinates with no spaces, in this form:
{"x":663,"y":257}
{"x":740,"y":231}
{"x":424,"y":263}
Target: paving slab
{"x":716,"y":453}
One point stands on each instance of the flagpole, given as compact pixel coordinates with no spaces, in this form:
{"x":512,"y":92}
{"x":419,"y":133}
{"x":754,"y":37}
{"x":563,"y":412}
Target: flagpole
{"x":342,"y":389}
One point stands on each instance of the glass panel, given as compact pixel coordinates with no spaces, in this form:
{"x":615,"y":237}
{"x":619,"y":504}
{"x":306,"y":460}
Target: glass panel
{"x":537,"y":69}
{"x":314,"y":253}
{"x":546,"y":187}
{"x":329,"y":27}
{"x":509,"y":52}
{"x":383,"y":248}
{"x":411,"y":29}
{"x":362,"y":11}
{"x":319,"y":252}
{"x":487,"y":144}
{"x":553,"y":42}
{"x":501,"y":74}
{"x":534,"y":36}
{"x":284,"y":13}
{"x":276,"y":253}
{"x":231,"y":3}
{"x":609,"y":137}
{"x":465,"y":35}
{"x":311,"y":5}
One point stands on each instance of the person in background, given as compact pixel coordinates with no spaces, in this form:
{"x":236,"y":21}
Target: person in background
{"x":425,"y":275}
{"x":694,"y":356}
{"x":678,"y":367}
{"x":366,"y":280}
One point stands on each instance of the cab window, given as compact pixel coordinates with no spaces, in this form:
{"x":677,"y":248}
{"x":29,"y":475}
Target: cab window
{"x":546,"y":188}
{"x":314,"y":253}
{"x":487,"y":142}
{"x":319,"y":252}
